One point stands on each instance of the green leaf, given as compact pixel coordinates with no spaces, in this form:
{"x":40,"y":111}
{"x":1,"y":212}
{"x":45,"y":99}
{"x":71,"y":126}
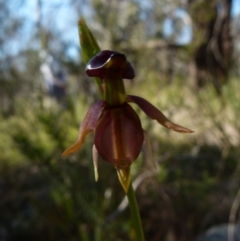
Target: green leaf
{"x":88,"y":43}
{"x":89,"y":47}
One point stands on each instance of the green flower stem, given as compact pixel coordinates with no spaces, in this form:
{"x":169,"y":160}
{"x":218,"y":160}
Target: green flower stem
{"x":137,"y":223}
{"x":114,"y":91}
{"x":99,"y":85}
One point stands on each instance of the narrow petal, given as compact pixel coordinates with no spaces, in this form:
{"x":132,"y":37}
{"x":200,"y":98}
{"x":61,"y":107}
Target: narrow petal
{"x":95,"y":162}
{"x":88,"y":125}
{"x":149,"y":149}
{"x":151,"y":111}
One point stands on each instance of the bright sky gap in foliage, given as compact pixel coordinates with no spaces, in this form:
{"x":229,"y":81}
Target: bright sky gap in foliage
{"x":65,"y":22}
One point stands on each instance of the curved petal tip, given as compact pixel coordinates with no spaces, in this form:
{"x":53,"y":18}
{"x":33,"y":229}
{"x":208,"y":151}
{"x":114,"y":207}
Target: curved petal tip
{"x":170,"y":125}
{"x":75,"y":147}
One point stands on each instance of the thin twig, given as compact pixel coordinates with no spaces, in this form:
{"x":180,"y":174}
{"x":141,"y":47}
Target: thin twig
{"x":232,"y":216}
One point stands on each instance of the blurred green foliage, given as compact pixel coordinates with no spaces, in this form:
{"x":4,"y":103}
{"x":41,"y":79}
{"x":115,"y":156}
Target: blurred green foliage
{"x":46,"y":197}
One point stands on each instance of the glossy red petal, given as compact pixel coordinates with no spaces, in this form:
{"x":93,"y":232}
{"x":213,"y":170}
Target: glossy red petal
{"x":119,"y":135}
{"x":151,"y":111}
{"x":88,"y":125}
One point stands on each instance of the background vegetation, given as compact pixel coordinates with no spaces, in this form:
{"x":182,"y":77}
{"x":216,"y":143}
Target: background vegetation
{"x":194,"y":82}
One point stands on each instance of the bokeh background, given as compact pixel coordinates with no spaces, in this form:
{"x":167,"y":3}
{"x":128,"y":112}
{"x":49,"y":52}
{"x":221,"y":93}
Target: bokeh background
{"x":186,"y":57}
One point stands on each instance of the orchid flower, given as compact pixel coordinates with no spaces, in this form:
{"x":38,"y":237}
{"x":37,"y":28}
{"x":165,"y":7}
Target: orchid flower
{"x":119,"y":135}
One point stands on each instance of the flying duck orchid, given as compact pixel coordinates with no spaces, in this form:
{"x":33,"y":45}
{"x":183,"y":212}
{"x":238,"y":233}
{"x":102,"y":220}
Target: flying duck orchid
{"x":118,"y":133}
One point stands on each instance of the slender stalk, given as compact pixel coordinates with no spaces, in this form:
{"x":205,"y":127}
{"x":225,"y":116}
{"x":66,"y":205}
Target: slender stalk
{"x":137,"y":223}
{"x":114,"y":91}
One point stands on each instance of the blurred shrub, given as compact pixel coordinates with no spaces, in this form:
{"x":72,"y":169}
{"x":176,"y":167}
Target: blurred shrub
{"x":46,"y":197}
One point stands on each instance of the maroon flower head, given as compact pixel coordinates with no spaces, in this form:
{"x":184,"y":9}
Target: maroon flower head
{"x":118,"y":131}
